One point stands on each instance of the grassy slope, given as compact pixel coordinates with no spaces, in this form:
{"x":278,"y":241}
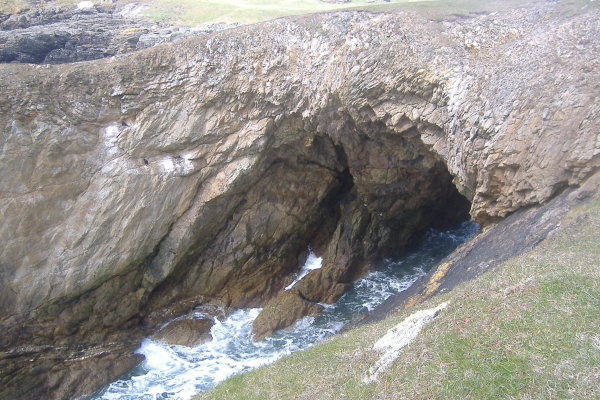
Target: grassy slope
{"x":249,"y":11}
{"x":529,"y":329}
{"x":11,"y":6}
{"x":194,"y":12}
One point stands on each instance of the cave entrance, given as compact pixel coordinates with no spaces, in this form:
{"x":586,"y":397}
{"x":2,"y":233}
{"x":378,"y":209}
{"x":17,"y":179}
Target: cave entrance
{"x":395,"y":189}
{"x":356,"y":195}
{"x":388,"y":191}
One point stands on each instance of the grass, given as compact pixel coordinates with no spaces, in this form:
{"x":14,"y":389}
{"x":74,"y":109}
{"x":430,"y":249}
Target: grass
{"x":196,"y":12}
{"x":248,"y":11}
{"x":527,"y":330}
{"x":11,"y":6}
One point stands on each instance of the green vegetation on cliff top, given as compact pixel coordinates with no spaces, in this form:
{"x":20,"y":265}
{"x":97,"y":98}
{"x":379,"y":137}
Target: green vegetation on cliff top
{"x":249,"y":11}
{"x":195,"y":12}
{"x":527,"y":329}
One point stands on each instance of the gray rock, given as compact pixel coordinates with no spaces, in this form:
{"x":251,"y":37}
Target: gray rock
{"x":188,"y":332}
{"x":55,"y":35}
{"x":200,"y":171}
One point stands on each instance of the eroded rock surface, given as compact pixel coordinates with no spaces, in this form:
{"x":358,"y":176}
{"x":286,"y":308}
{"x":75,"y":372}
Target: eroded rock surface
{"x":144,"y":184}
{"x":56,"y":35}
{"x":282,"y":311}
{"x":188,"y":332}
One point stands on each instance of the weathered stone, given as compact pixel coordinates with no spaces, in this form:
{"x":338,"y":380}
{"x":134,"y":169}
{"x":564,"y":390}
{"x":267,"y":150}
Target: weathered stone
{"x":61,"y":373}
{"x":188,"y":332}
{"x":281,"y":312}
{"x":203,"y":169}
{"x":324,"y":285}
{"x":55,"y":35}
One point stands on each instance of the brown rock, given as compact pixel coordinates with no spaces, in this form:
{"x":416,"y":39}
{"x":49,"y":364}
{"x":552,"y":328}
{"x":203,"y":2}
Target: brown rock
{"x":188,"y":332}
{"x":281,"y":312}
{"x":324,"y":285}
{"x":203,"y":169}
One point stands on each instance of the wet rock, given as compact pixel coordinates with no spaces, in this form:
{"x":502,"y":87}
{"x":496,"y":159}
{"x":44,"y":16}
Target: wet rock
{"x":204,"y":169}
{"x":281,"y":312}
{"x":325,"y":285}
{"x":55,"y":372}
{"x":188,"y":332}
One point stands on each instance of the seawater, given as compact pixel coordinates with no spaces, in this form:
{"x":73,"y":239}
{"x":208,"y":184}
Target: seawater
{"x":177,"y":372}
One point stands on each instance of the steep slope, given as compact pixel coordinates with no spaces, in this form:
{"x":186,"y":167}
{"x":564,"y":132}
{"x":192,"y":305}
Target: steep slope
{"x":140,"y":186}
{"x":526,"y":329}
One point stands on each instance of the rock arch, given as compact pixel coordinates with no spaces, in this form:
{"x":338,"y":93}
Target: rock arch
{"x":258,"y":141}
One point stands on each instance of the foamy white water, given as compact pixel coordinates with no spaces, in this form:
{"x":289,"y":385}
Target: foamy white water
{"x":312,"y":263}
{"x":176,"y":372}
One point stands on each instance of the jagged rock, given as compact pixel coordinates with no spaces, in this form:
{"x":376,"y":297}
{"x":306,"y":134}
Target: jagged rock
{"x":203,"y":169}
{"x":325,"y":285}
{"x":55,"y":35}
{"x":281,"y":312}
{"x":188,"y":332}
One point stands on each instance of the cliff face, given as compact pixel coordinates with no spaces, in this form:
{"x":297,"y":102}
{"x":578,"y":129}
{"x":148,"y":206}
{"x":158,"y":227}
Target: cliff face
{"x":54,"y":35}
{"x":137,"y":187}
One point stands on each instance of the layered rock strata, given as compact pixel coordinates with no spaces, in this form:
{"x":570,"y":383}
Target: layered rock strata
{"x":138,"y":187}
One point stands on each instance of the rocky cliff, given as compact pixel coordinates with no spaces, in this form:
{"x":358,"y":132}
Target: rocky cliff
{"x":55,"y":35}
{"x":140,"y":186}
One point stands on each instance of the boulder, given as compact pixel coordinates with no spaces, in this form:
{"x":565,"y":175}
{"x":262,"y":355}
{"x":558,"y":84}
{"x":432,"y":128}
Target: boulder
{"x":188,"y":332}
{"x":281,"y":312}
{"x":325,"y":285}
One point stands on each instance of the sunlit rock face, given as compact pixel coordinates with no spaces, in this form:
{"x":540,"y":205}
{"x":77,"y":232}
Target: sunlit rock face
{"x":137,"y":187}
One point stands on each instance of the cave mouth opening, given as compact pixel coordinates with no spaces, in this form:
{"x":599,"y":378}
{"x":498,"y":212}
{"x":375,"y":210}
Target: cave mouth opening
{"x":385,"y":192}
{"x":356,"y":195}
{"x":355,"y":198}
{"x":391,"y":189}
{"x":233,"y":335}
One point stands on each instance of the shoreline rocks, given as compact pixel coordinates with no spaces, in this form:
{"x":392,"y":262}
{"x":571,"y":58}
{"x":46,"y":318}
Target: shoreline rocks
{"x":189,"y":332}
{"x":137,"y":187}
